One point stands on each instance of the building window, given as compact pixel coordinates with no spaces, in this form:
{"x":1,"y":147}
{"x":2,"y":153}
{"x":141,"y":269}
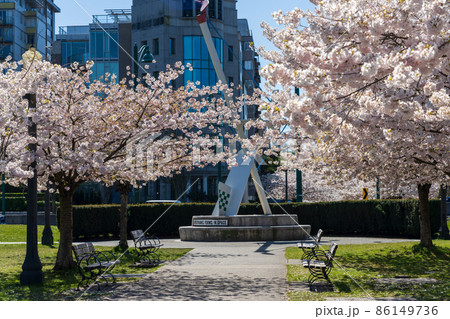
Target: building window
{"x":196,"y":53}
{"x":219,"y":9}
{"x":76,"y":51}
{"x":247,"y":46}
{"x":155,"y":46}
{"x":6,"y":17}
{"x":248,"y":65}
{"x":99,"y":69}
{"x":31,"y":39}
{"x":212,"y":9}
{"x":5,"y":50}
{"x":172,"y":48}
{"x":230,"y":80}
{"x":192,"y":7}
{"x":230,"y":53}
{"x":248,"y":86}
{"x":198,"y":6}
{"x":187,"y":8}
{"x":6,"y":35}
{"x":104,"y":46}
{"x":144,"y":43}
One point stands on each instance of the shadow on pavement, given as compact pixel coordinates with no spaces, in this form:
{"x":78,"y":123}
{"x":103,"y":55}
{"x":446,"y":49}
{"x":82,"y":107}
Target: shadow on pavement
{"x":184,"y":286}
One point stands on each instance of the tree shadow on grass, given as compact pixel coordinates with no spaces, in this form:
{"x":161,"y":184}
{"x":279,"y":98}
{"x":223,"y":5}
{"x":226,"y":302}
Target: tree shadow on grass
{"x":416,"y":262}
{"x":55,"y":286}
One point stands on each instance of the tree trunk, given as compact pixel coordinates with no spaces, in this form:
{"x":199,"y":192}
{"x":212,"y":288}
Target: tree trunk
{"x":124,"y":188}
{"x":64,"y":259}
{"x":443,"y":230}
{"x":424,"y":216}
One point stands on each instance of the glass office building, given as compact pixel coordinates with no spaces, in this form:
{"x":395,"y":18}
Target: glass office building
{"x":72,"y":44}
{"x":106,"y":42}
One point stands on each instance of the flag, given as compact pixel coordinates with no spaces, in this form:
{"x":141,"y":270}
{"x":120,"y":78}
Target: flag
{"x":204,"y":3}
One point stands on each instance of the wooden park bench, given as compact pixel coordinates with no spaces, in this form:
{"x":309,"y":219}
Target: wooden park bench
{"x":93,"y":265}
{"x":321,"y":264}
{"x":146,"y":248}
{"x":309,"y":246}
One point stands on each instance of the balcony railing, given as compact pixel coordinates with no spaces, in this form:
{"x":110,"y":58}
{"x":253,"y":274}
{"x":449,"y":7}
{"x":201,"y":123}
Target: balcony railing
{"x":7,"y":21}
{"x":67,"y":30}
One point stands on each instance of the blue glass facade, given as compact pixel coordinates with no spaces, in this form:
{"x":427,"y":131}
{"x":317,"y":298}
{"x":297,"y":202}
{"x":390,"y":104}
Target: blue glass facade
{"x":74,"y":52}
{"x":104,"y":51}
{"x":196,"y":53}
{"x":104,"y":46}
{"x":100,"y":68}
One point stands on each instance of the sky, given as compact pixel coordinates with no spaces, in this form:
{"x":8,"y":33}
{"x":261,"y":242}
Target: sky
{"x":80,"y":12}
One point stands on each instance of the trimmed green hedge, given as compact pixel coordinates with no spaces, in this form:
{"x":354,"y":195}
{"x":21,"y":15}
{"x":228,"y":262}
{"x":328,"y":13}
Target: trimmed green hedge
{"x":375,"y":218}
{"x":15,"y":204}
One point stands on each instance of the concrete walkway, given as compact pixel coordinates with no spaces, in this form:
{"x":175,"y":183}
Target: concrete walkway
{"x":214,"y":271}
{"x":239,"y":271}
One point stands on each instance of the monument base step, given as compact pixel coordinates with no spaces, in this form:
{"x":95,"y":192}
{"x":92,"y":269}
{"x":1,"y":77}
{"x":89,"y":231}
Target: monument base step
{"x":245,"y":233}
{"x":245,"y":228}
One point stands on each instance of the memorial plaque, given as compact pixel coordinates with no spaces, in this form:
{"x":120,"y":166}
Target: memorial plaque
{"x":210,"y":222}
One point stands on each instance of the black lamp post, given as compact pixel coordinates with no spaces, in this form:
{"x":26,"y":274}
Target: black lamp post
{"x":299,"y":186}
{"x":47,"y":234}
{"x":32,"y":267}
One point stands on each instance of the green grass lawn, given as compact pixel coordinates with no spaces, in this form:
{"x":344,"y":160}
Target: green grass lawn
{"x":18,"y":233}
{"x":58,"y":285}
{"x":357,"y":267}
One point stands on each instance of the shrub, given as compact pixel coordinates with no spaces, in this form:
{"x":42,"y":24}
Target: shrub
{"x":373,"y":218}
{"x":16,"y":204}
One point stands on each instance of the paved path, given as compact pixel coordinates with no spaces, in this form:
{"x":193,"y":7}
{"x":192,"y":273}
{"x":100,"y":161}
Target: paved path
{"x":243,"y":271}
{"x":215,"y":271}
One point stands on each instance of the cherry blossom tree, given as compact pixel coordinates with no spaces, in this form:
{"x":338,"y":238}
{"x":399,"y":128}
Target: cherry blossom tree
{"x":315,"y":187}
{"x":86,"y":130}
{"x":13,"y":121}
{"x":374,"y":80}
{"x":174,"y":130}
{"x":319,"y":188}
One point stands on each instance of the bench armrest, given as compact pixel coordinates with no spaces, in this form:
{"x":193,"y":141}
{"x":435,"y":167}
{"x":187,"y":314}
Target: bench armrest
{"x":106,"y":255}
